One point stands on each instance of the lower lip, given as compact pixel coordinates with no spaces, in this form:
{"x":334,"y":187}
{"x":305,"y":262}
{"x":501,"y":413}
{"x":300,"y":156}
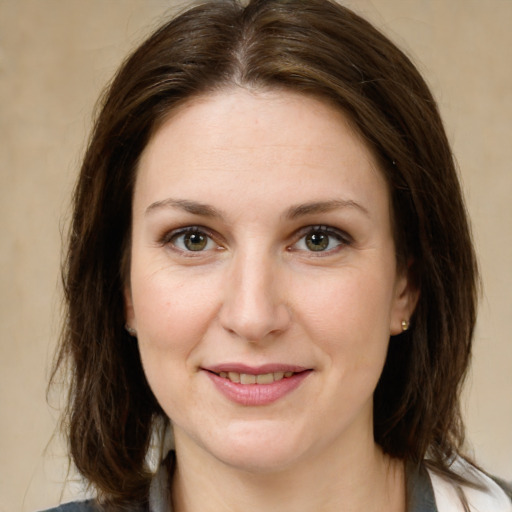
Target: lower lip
{"x":257,"y":394}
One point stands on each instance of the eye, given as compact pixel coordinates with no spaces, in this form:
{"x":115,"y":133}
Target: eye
{"x":321,"y":239}
{"x":191,"y":240}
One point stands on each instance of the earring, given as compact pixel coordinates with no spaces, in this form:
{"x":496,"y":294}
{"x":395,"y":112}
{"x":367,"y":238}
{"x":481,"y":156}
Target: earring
{"x":131,"y":331}
{"x":405,"y":325}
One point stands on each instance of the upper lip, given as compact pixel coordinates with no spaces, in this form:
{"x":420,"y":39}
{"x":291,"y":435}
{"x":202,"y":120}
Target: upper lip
{"x":255,"y":370}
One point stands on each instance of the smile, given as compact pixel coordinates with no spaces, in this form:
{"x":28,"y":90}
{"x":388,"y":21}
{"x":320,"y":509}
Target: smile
{"x":256,"y":386}
{"x":262,"y":378}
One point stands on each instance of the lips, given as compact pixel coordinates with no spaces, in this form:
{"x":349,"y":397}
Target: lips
{"x":252,"y":386}
{"x":262,"y":378}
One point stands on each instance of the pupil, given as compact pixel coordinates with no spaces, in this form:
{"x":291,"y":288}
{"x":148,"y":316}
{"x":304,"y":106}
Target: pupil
{"x":195,"y":241}
{"x":317,"y":241}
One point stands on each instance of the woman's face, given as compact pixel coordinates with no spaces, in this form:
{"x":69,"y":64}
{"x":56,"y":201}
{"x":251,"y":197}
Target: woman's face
{"x":263,"y":283}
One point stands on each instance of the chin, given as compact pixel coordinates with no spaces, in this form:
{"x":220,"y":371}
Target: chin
{"x":257,"y":449}
{"x":257,"y":461}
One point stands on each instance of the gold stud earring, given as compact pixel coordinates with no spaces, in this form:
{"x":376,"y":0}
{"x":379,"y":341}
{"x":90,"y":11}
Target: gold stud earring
{"x":405,"y":325}
{"x":131,"y":331}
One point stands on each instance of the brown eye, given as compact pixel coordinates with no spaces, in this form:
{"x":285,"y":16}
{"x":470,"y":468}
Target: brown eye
{"x":317,"y":241}
{"x":322,"y":239}
{"x":192,"y":240}
{"x":195,"y":241}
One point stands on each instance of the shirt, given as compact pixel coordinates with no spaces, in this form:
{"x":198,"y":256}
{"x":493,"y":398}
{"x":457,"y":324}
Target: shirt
{"x":426,"y":492}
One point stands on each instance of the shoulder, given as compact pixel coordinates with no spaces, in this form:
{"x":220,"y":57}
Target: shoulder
{"x":486,"y":495}
{"x":88,"y":506}
{"x":76,"y":506}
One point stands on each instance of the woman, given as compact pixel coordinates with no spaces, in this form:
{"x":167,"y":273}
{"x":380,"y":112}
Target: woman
{"x":270,"y":252}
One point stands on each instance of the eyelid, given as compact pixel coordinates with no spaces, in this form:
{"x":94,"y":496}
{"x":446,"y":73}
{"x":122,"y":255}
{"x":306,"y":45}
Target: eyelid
{"x":344,"y":238}
{"x":325,"y":228}
{"x":170,"y":235}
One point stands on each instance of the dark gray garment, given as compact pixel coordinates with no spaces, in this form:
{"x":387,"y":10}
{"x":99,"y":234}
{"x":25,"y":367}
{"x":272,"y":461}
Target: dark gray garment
{"x":420,"y":496}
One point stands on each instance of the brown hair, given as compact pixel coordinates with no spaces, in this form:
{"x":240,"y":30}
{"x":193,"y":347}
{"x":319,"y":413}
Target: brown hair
{"x":313,"y":47}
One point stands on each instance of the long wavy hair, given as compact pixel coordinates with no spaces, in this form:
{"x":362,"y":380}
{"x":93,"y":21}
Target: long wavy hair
{"x":314,"y":47}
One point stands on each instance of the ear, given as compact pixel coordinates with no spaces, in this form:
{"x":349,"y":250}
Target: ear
{"x":129,"y":312}
{"x":406,"y":297}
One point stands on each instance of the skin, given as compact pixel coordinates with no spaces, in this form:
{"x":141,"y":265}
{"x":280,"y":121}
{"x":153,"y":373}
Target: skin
{"x":256,"y":293}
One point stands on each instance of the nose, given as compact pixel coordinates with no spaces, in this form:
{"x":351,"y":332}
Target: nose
{"x":254,"y":308}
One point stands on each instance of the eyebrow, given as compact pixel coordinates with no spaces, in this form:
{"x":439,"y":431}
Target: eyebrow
{"x":194,"y":207}
{"x":294,"y":212}
{"x":323,"y":207}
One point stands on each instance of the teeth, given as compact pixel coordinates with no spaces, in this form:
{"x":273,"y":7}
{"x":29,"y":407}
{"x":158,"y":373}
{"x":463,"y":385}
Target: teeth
{"x":246,"y":378}
{"x":265,"y":378}
{"x":234,"y":377}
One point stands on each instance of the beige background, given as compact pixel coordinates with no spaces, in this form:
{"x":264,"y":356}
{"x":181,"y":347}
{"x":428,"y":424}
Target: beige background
{"x":56,"y":55}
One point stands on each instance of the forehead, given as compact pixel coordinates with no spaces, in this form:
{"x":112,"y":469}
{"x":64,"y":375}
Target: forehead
{"x":278,"y":140}
{"x":232,"y":113}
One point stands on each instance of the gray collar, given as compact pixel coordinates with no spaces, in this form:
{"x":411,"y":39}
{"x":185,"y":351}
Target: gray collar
{"x":420,"y":494}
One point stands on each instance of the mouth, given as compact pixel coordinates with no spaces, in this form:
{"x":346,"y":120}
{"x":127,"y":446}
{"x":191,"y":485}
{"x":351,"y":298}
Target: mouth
{"x":261,"y":378}
{"x":256,"y":386}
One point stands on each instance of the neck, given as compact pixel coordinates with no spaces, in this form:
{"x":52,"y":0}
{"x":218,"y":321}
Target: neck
{"x":351,"y":481}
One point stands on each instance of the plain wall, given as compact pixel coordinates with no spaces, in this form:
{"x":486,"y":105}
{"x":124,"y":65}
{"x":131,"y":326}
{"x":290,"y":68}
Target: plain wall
{"x":56,"y":56}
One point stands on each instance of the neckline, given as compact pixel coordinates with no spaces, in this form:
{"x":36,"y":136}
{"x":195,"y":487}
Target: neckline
{"x":419,"y":491}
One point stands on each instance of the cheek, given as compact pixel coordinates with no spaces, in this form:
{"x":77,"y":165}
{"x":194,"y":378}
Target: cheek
{"x":172,"y":316}
{"x":348,"y":315}
{"x":349,"y":300}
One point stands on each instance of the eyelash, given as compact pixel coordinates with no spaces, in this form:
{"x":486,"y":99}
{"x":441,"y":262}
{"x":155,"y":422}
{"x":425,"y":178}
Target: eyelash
{"x":341,"y":237}
{"x":171,"y":237}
